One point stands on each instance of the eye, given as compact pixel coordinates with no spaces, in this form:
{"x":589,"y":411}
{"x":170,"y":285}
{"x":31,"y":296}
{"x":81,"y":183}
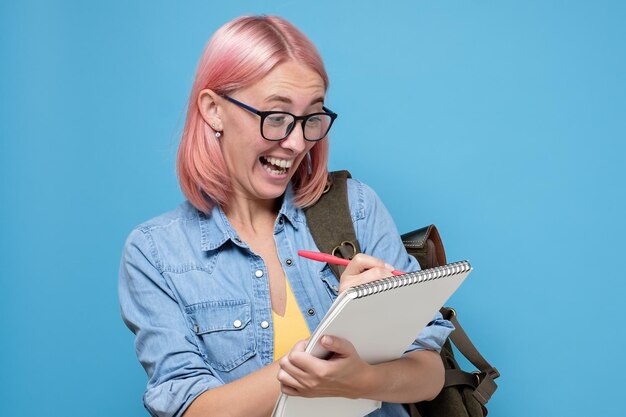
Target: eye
{"x":314,"y":120}
{"x":277,"y":119}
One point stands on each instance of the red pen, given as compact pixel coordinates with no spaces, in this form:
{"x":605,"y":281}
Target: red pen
{"x":324,"y":257}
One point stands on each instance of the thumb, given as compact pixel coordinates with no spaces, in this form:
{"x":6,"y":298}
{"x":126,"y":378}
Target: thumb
{"x":338,"y":345}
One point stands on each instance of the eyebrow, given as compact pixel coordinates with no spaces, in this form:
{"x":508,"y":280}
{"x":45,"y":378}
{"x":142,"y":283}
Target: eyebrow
{"x":287,"y":100}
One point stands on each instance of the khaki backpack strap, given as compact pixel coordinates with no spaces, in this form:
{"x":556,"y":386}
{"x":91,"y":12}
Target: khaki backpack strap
{"x":485,"y":385}
{"x":330,"y":222}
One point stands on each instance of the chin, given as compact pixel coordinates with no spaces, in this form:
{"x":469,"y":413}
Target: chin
{"x":273,"y":195}
{"x":271,"y":191}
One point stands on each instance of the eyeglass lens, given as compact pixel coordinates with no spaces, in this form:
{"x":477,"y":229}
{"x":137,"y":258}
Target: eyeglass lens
{"x":277,"y":126}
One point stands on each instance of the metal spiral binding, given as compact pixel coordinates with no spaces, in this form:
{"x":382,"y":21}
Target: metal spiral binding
{"x":411,"y":278}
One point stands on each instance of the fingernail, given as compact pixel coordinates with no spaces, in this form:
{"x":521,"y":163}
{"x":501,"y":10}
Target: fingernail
{"x":327,"y":340}
{"x":388,"y":266}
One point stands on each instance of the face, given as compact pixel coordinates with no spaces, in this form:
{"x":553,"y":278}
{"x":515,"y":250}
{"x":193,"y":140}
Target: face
{"x":260,"y":169}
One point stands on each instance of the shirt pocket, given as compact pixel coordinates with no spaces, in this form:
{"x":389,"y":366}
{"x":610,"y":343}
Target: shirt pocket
{"x":224,"y":330}
{"x":331,"y":283}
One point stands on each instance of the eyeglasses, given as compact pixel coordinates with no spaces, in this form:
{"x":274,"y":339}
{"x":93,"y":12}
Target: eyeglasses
{"x":277,"y":125}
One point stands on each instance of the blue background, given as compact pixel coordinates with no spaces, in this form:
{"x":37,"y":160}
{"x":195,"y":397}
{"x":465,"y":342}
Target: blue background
{"x":502,"y":122}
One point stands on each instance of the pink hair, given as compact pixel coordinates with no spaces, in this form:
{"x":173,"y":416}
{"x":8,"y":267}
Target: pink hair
{"x":237,"y":55}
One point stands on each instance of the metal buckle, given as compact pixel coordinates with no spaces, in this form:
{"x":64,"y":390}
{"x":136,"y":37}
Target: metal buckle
{"x":344,"y":243}
{"x":477,"y":375}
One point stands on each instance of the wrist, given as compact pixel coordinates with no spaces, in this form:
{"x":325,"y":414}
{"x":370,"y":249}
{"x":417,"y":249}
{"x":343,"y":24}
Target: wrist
{"x":367,"y":382}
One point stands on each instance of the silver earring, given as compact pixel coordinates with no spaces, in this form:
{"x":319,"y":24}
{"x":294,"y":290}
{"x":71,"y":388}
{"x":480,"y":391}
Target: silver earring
{"x":218,"y":134}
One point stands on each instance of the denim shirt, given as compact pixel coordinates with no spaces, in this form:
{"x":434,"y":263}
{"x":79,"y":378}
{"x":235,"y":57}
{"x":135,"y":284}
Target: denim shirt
{"x":198,"y":298}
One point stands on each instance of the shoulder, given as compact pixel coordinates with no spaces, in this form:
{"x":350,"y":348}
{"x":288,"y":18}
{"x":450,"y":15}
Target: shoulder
{"x":375,"y":228}
{"x":169,"y":233}
{"x":169,"y":223}
{"x":182,"y":214}
{"x":362,"y":199}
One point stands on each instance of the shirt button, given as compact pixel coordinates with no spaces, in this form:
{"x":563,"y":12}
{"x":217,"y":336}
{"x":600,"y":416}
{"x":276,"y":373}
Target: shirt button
{"x":289,"y":262}
{"x":311,"y":312}
{"x":281,"y":221}
{"x":237,"y":324}
{"x":258,"y":273}
{"x":265,"y":324}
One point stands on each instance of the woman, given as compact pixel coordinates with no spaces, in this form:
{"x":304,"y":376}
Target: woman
{"x":214,"y":290}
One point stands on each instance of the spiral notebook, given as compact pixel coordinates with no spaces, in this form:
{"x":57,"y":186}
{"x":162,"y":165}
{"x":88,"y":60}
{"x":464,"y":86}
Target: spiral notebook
{"x":381,"y":319}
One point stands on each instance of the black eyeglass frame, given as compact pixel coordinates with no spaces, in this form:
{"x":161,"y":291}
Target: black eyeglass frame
{"x":305,"y":118}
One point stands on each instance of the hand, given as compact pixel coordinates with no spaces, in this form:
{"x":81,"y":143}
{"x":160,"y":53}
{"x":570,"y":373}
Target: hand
{"x":345,"y":374}
{"x":363,"y":269}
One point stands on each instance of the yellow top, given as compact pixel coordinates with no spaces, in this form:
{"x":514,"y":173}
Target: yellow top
{"x":290,"y":328}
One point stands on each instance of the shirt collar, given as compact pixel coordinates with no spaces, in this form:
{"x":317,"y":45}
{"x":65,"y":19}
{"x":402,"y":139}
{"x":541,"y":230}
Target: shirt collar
{"x":289,"y":209}
{"x":215,"y":229}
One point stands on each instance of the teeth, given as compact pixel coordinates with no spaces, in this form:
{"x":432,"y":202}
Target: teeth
{"x":283,"y":163}
{"x":273,"y":171}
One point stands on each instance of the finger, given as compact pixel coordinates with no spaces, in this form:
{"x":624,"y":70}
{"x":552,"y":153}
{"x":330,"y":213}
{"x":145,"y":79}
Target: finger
{"x":364,"y":277}
{"x":290,"y":391}
{"x":295,"y":366}
{"x":287,"y":380}
{"x":338,"y":345}
{"x":300,"y":345}
{"x":297,"y":362}
{"x":303,"y":366}
{"x":362,"y":262}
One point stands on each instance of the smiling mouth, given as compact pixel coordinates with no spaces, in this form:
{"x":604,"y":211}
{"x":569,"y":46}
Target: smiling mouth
{"x":275,"y":166}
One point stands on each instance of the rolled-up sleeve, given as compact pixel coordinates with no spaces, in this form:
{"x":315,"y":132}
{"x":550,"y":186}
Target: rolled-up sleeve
{"x":378,"y":236}
{"x":164,"y":343}
{"x":434,"y":335}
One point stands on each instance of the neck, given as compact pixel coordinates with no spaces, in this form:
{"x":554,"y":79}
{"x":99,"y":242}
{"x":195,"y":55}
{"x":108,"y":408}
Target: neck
{"x":249,"y":216}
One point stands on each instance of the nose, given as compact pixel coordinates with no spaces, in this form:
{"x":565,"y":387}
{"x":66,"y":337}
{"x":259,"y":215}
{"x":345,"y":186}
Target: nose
{"x":295,"y":139}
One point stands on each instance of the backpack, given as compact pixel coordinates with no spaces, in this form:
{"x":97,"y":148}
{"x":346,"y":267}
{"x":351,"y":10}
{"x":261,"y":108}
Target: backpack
{"x":464,"y":394}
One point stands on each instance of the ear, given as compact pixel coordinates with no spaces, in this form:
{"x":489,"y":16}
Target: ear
{"x":210,"y":109}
